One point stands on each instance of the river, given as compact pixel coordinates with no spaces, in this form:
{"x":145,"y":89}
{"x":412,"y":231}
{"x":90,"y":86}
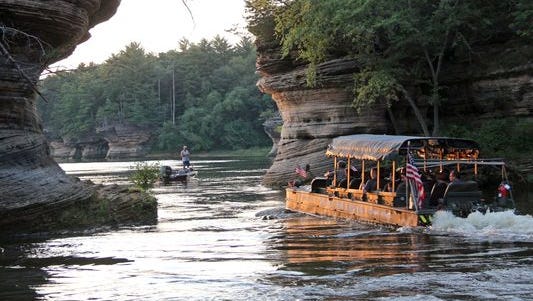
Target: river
{"x":223,"y":236}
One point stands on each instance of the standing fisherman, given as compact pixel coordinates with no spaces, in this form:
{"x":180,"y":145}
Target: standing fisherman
{"x":185,"y":157}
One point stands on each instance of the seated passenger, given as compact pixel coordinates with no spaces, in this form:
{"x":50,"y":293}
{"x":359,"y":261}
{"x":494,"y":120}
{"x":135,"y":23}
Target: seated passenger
{"x":401,"y":188}
{"x":372,"y":183}
{"x":355,"y":183}
{"x":388,"y":186}
{"x":428,"y":180}
{"x":354,"y":173}
{"x":341,"y":173}
{"x":438,"y":189}
{"x":455,"y":177}
{"x":504,"y":192}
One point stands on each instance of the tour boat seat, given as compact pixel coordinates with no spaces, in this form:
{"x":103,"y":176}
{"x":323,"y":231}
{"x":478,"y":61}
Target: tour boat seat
{"x":319,"y":184}
{"x":461,"y":193}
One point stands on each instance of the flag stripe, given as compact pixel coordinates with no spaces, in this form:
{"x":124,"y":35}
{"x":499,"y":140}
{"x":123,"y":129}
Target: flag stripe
{"x":411,"y":172}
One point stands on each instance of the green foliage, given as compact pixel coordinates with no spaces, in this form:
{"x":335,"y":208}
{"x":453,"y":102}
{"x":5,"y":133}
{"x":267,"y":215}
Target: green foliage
{"x":260,"y":17}
{"x":398,"y":43}
{"x":372,"y":86}
{"x":145,"y":175}
{"x":523,"y":18}
{"x":168,"y":137}
{"x":509,"y":137}
{"x":212,"y":83}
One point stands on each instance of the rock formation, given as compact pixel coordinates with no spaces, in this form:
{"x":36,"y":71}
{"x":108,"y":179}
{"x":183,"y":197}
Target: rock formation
{"x":272,"y":127}
{"x":126,"y":141}
{"x":89,"y":147}
{"x":115,"y":141}
{"x":313,"y":116}
{"x":35,"y":34}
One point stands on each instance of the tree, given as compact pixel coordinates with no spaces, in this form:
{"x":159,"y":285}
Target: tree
{"x":214,"y":85}
{"x":400,"y":44}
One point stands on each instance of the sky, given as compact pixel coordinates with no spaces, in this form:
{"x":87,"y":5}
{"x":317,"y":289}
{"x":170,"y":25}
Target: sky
{"x":158,"y":25}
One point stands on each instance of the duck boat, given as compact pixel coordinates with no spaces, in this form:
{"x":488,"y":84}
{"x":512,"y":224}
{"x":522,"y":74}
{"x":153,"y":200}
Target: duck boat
{"x":409,"y":194}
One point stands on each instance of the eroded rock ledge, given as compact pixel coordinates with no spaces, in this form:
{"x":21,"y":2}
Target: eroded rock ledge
{"x":312,"y":116}
{"x":107,"y":206}
{"x":35,"y":34}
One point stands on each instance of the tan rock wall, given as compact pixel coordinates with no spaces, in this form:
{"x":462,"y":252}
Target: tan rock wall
{"x":313,"y":116}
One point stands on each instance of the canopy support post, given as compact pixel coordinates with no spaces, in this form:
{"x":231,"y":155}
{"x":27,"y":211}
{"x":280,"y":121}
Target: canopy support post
{"x":348,"y":170}
{"x":335,"y":171}
{"x":393,"y":176}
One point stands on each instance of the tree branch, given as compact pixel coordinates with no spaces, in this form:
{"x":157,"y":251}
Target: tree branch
{"x":441,"y":54}
{"x":10,"y":58}
{"x":6,"y":53}
{"x":417,"y":112}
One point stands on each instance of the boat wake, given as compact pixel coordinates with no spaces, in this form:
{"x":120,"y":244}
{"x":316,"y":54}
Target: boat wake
{"x":500,"y":226}
{"x":275,"y":213}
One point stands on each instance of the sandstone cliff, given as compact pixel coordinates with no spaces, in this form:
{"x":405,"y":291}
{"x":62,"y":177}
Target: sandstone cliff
{"x":481,"y":89}
{"x":118,"y":141}
{"x":35,"y":34}
{"x":126,"y":141}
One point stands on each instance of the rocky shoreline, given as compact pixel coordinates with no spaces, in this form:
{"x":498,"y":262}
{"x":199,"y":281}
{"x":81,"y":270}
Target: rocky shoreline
{"x":106,"y":206}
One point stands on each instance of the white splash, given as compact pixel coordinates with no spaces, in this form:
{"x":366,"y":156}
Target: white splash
{"x":504,"y":225}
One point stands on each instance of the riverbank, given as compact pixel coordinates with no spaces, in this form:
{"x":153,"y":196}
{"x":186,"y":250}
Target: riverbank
{"x":250,"y":152}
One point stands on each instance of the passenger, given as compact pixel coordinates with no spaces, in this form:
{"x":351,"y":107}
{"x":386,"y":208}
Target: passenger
{"x":341,"y":172}
{"x":428,"y":180}
{"x":388,"y":182}
{"x":354,"y":173}
{"x":437,"y":192}
{"x":400,"y":189}
{"x":503,"y":193}
{"x":329,"y":177}
{"x":455,"y":176}
{"x":355,"y":177}
{"x":372,"y":183}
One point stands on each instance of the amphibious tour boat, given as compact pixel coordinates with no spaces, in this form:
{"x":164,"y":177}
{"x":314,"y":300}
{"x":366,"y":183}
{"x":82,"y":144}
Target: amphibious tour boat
{"x":403,"y":180}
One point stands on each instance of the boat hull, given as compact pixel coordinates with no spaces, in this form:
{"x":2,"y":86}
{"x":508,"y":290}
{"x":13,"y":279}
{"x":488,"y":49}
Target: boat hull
{"x":332,"y":206}
{"x":168,"y":174}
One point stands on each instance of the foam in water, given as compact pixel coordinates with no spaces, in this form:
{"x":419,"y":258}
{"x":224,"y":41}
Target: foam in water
{"x":494,"y":225}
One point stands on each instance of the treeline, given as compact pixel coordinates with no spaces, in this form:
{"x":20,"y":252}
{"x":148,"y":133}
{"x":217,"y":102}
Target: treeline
{"x":202,"y":95}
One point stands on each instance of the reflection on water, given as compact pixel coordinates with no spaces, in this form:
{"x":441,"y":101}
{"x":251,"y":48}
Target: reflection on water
{"x":223,"y":236}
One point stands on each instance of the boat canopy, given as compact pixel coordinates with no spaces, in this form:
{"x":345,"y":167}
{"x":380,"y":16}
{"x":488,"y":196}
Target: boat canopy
{"x":383,"y":147}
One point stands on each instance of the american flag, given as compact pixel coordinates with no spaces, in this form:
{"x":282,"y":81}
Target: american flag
{"x":411,"y":172}
{"x":300,"y":171}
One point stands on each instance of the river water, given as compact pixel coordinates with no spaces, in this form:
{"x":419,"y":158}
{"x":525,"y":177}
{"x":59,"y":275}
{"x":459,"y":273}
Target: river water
{"x":223,"y":236}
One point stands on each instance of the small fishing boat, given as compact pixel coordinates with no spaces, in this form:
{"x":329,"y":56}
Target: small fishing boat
{"x":412,"y":191}
{"x":168,"y":174}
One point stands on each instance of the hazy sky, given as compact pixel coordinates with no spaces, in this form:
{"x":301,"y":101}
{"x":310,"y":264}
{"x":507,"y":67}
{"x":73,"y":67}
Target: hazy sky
{"x":158,"y":25}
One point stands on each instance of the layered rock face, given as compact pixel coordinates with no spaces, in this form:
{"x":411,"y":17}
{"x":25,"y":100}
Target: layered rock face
{"x":84,"y":148}
{"x":272,"y":127}
{"x":118,"y":141}
{"x":126,"y":141}
{"x":313,"y":116}
{"x":35,"y":34}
